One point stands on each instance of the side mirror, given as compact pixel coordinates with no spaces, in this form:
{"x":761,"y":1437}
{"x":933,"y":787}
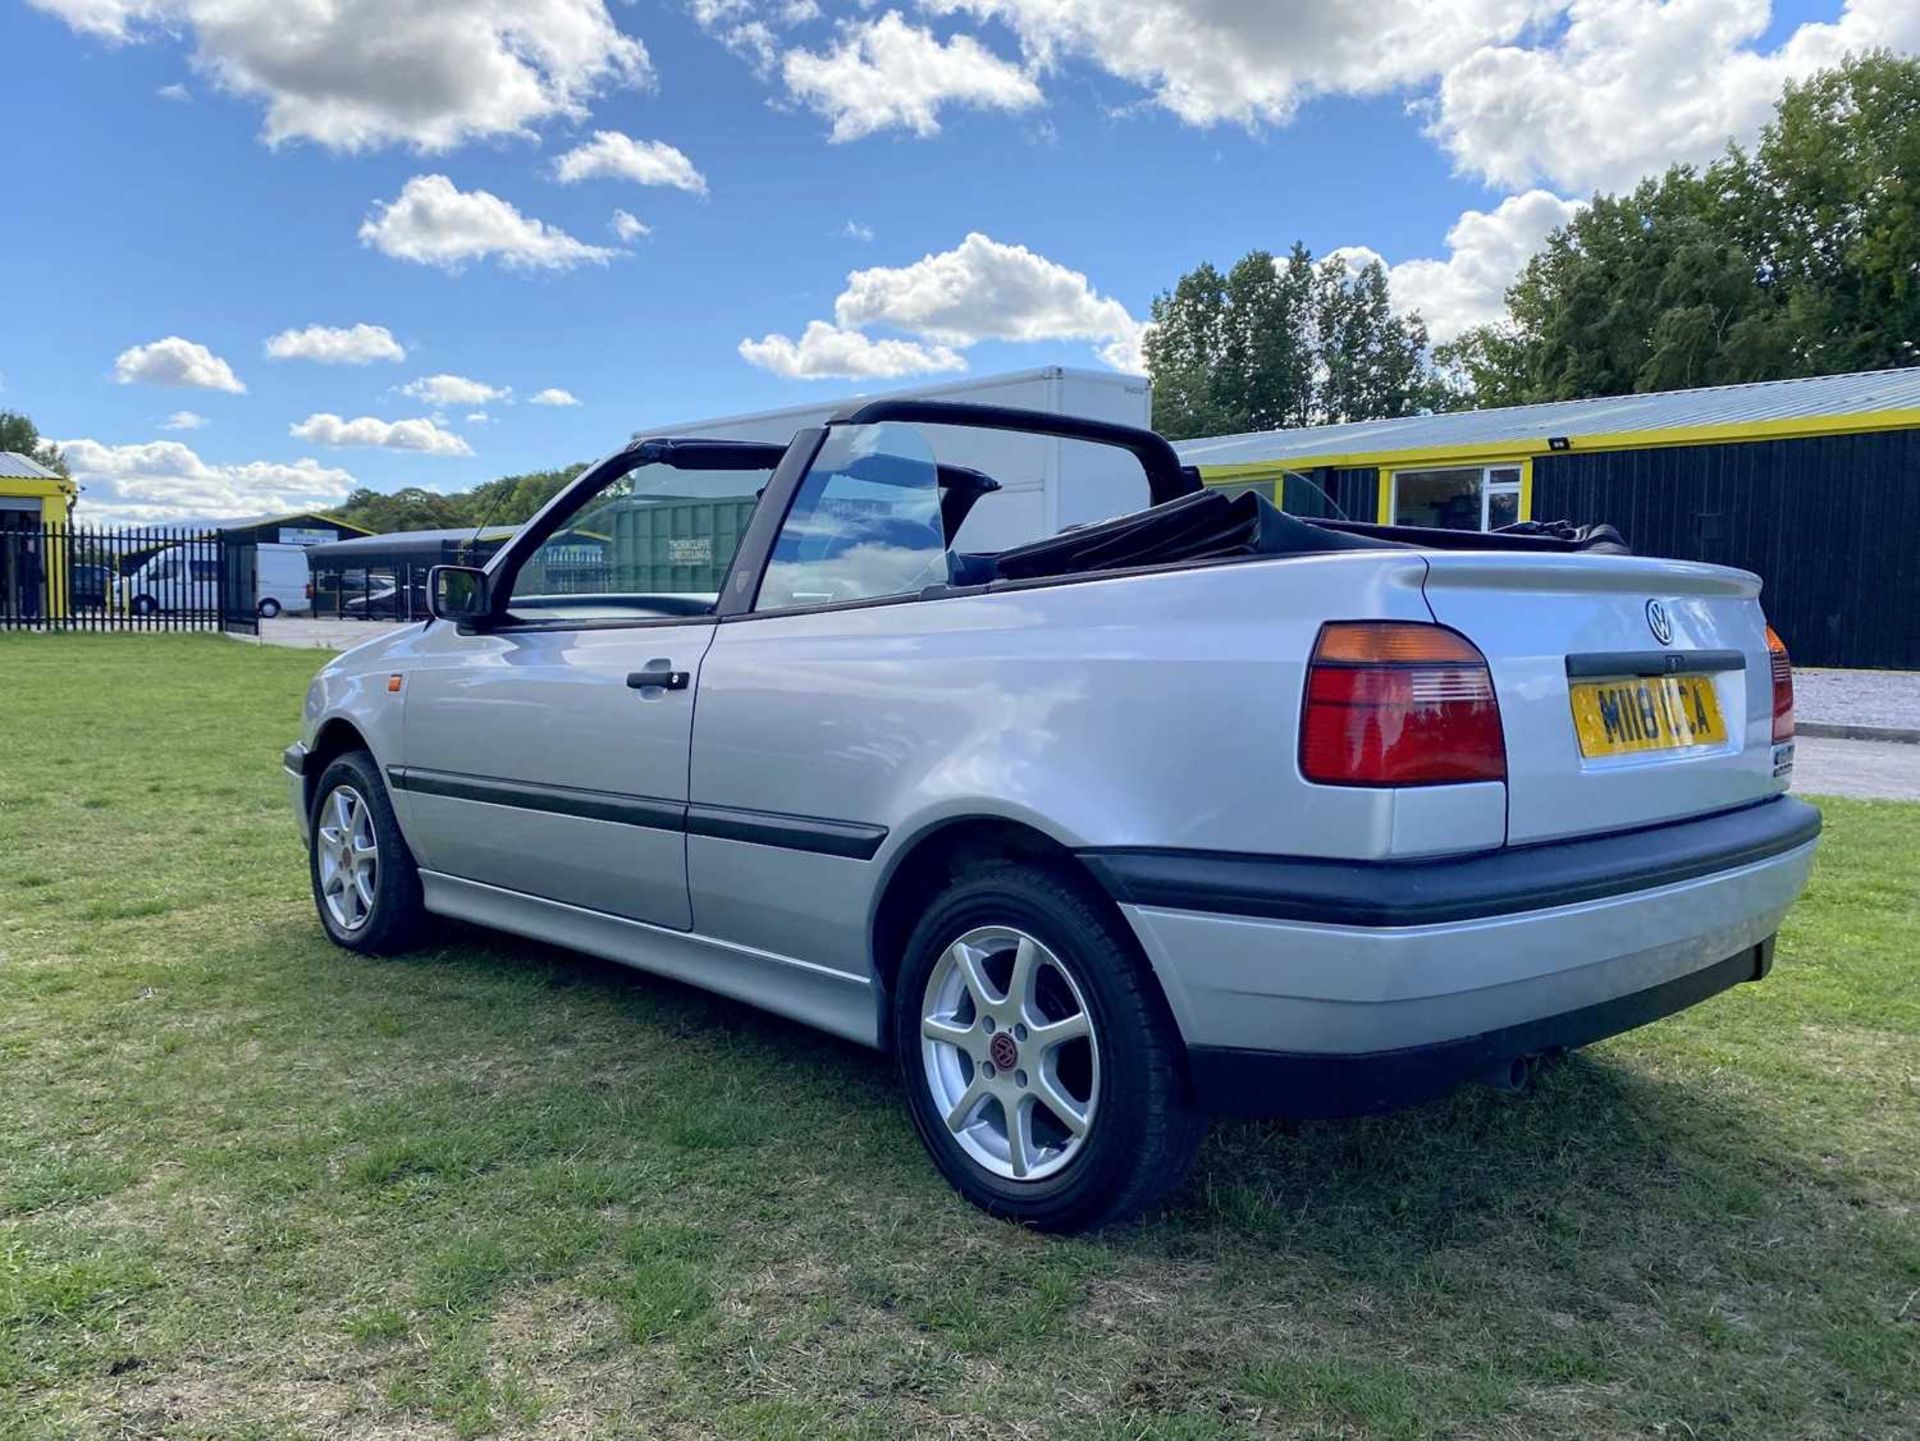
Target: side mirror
{"x":458,"y":592}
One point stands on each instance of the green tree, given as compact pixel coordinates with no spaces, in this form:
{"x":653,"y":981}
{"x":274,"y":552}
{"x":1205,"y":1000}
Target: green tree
{"x":1184,"y":342}
{"x":508,"y":500}
{"x":409,"y":509}
{"x":20,"y":435}
{"x":1373,"y":363}
{"x":1834,"y":196}
{"x":1283,"y":342}
{"x":1796,"y":259}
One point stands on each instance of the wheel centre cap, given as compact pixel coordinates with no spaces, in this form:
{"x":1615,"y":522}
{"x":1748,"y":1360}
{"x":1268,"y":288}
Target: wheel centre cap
{"x":1002,"y":1050}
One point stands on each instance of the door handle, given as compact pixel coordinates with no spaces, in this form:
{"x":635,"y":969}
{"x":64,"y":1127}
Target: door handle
{"x":658,"y":677}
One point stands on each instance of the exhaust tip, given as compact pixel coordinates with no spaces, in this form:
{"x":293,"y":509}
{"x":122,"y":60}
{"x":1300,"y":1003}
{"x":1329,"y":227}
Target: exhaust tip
{"x":1512,"y":1076}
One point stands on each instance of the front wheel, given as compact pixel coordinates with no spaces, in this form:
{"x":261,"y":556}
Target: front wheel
{"x":365,"y":884}
{"x":1041,"y":1067}
{"x":269,"y":608}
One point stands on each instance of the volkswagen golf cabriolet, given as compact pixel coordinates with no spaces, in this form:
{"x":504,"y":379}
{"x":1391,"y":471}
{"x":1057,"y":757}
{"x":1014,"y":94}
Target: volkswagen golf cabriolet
{"x":1203,"y":808}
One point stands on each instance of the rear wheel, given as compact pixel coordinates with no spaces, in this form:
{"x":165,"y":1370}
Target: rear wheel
{"x":1041,"y":1067}
{"x":365,"y":884}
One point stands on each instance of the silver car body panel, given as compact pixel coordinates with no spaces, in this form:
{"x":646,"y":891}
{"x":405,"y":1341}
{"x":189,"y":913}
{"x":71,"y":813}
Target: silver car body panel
{"x":542,"y":708}
{"x":1256,"y":984}
{"x":831,"y":1000}
{"x":759,"y":814}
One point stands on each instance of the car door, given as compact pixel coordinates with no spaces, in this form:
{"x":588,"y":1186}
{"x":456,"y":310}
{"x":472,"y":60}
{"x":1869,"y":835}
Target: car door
{"x":804,"y":719}
{"x":548,"y":753}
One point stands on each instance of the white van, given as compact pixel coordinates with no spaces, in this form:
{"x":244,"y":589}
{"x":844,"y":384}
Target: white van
{"x":280,"y":578}
{"x":179,"y":578}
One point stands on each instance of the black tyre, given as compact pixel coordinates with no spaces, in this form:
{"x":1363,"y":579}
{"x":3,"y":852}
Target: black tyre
{"x":269,"y":608}
{"x":1042,"y":1069}
{"x":365,"y":884}
{"x":145,"y":605}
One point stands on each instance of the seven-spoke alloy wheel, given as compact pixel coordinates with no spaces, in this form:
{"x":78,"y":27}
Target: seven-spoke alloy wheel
{"x":1042,"y":1068}
{"x":1010,"y":1053}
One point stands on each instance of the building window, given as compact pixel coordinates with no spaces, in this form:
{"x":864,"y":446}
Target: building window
{"x":1458,"y":498}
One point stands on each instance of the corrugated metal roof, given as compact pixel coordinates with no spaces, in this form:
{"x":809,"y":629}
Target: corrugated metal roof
{"x":1809,"y":399}
{"x":250,"y":522}
{"x":16,"y":466}
{"x":405,"y":539}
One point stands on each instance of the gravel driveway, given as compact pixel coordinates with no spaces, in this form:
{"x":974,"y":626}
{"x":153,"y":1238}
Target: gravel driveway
{"x":1880,"y":699}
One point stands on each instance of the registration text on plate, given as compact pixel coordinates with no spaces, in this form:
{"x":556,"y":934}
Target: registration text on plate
{"x":1646,"y":713}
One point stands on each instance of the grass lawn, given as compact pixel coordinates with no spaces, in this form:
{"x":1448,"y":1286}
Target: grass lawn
{"x":251,"y":1185}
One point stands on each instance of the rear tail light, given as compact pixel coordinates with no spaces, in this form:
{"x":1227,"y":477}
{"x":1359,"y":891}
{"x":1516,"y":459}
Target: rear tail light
{"x":1393,"y":703}
{"x":1782,"y":687}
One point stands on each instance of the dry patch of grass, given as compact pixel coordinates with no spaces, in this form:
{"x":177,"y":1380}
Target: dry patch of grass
{"x":253,"y":1186}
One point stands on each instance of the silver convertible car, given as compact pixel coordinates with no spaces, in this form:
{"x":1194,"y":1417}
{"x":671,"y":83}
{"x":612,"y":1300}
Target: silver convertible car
{"x":1201,"y":807}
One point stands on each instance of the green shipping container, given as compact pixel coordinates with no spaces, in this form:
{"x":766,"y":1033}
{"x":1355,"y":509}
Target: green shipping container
{"x":675,"y":546}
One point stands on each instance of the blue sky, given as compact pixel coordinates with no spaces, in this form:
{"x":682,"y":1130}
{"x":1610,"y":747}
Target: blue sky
{"x":191,"y":179}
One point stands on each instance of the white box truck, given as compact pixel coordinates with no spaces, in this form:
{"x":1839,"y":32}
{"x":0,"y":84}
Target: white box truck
{"x":1047,"y":484}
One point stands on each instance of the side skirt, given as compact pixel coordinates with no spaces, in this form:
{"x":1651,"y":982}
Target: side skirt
{"x":834,"y":1001}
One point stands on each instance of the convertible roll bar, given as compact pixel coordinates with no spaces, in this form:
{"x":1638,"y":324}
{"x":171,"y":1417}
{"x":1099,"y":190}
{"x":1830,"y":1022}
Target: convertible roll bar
{"x":1167,"y":478}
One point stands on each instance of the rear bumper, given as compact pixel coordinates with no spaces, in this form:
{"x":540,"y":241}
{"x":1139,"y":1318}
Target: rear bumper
{"x":1312,"y":987}
{"x":1228,"y":1081}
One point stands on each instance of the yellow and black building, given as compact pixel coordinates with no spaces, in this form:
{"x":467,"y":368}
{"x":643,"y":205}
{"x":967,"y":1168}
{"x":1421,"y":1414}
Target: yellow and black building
{"x":1814,"y":484}
{"x":33,"y":501}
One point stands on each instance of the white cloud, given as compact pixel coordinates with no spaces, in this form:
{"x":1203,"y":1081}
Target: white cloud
{"x":1487,"y":251}
{"x":184,"y":420}
{"x":1250,"y":62}
{"x":611,"y":155}
{"x":433,"y":222}
{"x":479,"y":417}
{"x":356,"y":345}
{"x":982,"y":290}
{"x":854,"y":230}
{"x":453,"y":390}
{"x":421,"y":435}
{"x":826,"y":352}
{"x":552,"y":395}
{"x":175,"y":91}
{"x":747,"y":27}
{"x":163,"y":481}
{"x":1629,"y":87}
{"x":886,"y":74}
{"x":1127,"y":352}
{"x":357,"y":74}
{"x":979,"y":290}
{"x":182,"y":364}
{"x":628,"y":227}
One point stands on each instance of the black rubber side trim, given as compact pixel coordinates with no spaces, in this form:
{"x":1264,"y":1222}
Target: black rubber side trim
{"x":654,"y":814}
{"x":1490,"y":883}
{"x":761,"y":828}
{"x":294,"y":759}
{"x":1597,"y":663}
{"x":852,"y":839}
{"x":1229,"y":1081}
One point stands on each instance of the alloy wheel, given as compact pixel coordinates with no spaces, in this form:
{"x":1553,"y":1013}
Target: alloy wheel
{"x":1010,"y":1053}
{"x":348,"y":854}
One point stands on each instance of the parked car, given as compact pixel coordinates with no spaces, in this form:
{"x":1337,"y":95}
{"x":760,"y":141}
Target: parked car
{"x":90,"y":585}
{"x":1198,"y":809}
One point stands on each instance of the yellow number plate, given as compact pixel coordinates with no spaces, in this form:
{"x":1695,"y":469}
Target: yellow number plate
{"x":1650,"y":713}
